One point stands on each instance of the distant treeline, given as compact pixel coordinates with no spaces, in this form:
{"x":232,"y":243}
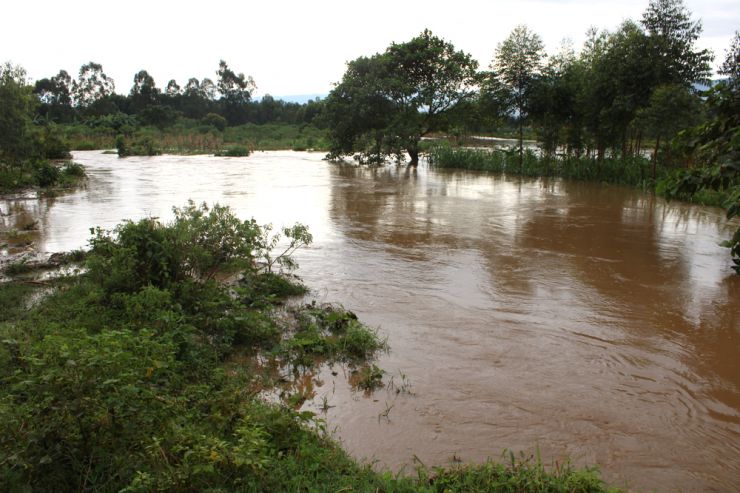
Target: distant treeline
{"x":225,"y":101}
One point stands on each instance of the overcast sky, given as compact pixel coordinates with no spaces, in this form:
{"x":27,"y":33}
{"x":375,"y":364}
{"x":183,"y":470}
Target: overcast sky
{"x":295,"y":47}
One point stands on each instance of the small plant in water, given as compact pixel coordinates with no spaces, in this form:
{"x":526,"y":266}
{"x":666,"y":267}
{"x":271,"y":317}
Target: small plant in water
{"x":368,"y":378}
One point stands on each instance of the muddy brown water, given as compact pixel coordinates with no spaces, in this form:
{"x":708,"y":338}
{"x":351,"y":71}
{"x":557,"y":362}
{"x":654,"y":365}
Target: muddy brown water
{"x":587,"y":321}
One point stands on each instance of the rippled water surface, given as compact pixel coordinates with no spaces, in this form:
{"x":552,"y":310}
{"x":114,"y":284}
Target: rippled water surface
{"x":594,"y":322}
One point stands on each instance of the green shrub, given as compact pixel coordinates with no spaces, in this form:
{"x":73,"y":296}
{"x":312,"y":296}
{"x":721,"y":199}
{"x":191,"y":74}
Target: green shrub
{"x":46,"y":174}
{"x":234,"y":151}
{"x":215,"y":120}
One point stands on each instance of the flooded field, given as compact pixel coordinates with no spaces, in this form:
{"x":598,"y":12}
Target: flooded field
{"x":590,"y":321}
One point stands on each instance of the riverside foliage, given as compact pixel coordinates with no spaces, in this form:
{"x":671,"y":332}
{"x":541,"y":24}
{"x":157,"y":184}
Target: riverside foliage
{"x":145,"y":373}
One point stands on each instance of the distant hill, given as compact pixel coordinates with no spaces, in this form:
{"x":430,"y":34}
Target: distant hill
{"x":296,"y":98}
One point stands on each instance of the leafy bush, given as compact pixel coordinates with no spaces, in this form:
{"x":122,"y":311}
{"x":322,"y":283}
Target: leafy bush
{"x":215,"y":120}
{"x":144,"y":146}
{"x":46,"y":174}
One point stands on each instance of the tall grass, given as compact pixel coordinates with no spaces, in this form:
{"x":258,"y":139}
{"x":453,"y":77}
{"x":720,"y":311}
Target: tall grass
{"x":635,"y":171}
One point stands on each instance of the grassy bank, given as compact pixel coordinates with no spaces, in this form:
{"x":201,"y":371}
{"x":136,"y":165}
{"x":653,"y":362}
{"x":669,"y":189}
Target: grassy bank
{"x":145,"y":373}
{"x":195,"y":138}
{"x":40,"y":174}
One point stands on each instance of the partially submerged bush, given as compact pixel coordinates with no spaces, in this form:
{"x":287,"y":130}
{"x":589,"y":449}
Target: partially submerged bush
{"x":234,"y":151}
{"x":329,"y":333}
{"x":144,"y":146}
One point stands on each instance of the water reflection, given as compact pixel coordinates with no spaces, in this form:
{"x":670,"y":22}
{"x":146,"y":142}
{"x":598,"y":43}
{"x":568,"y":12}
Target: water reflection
{"x":597,"y":322}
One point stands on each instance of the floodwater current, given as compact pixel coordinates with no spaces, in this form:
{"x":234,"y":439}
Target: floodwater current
{"x":590,"y":322}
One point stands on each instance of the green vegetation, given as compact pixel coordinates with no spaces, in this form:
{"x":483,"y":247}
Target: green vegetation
{"x":191,"y":137}
{"x":26,"y":147}
{"x":518,"y":60}
{"x":144,"y":373}
{"x":636,"y":171}
{"x":386,"y":103}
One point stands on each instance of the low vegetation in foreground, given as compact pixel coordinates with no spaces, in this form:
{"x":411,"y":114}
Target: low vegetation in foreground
{"x":147,"y":372}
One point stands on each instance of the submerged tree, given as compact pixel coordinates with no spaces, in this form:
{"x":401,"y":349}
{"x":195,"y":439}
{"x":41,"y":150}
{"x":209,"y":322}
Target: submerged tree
{"x":386,"y":103}
{"x":517,"y":63}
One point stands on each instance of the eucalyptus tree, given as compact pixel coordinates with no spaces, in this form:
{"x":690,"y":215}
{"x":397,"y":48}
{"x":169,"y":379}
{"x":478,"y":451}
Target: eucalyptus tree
{"x":92,"y":85}
{"x":517,"y":63}
{"x":386,"y":103}
{"x":197,"y":98}
{"x":55,"y":95}
{"x":236,"y":91}
{"x":144,"y":92}
{"x":173,"y":88}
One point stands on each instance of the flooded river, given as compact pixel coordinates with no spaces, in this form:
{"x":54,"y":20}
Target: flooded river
{"x":589,"y":321}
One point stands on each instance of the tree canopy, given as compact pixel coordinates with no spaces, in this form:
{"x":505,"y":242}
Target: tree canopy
{"x":386,"y":103}
{"x":517,"y":63}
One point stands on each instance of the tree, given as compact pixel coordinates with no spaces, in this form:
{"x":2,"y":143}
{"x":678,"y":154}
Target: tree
{"x":236,"y":91}
{"x":92,"y":85}
{"x":359,"y":112}
{"x":197,"y":98}
{"x":17,"y":105}
{"x":55,"y":95}
{"x":391,"y":100}
{"x":517,"y":63}
{"x":173,"y":88}
{"x":672,"y":35}
{"x":144,"y":93}
{"x":731,"y":66}
{"x":672,"y":108}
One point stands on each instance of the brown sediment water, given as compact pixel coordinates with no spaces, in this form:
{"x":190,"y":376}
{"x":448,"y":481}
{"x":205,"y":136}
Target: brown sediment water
{"x":591,"y":322}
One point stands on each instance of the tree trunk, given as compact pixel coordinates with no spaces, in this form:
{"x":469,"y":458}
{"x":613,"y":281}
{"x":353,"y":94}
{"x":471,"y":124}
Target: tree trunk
{"x":521,"y":142}
{"x":655,"y":154}
{"x":414,"y":155}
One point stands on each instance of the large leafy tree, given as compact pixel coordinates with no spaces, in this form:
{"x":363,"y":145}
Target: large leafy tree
{"x":386,"y":103}
{"x":621,"y":79}
{"x":672,"y":35}
{"x":517,"y":63}
{"x":17,"y":105}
